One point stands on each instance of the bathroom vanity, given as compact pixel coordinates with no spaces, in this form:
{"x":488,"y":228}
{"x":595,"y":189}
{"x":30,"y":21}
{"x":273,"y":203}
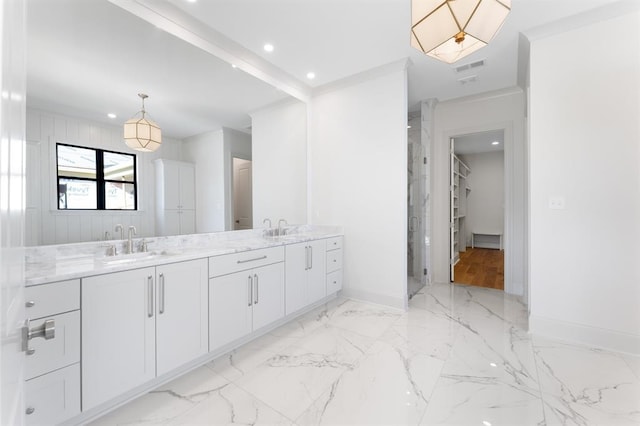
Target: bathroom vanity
{"x":116,"y":326}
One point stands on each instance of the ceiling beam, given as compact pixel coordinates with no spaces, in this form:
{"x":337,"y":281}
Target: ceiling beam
{"x":175,"y":21}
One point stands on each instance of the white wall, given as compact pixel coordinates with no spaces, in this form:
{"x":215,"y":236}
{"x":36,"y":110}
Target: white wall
{"x":358,"y":140}
{"x":485,"y":201}
{"x":279,"y":150}
{"x":45,"y":224}
{"x":503,"y":109}
{"x":206,"y":151}
{"x":585,"y":133}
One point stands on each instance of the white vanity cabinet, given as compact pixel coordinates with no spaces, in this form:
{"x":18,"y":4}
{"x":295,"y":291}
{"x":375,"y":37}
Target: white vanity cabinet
{"x":305,"y":276}
{"x":175,"y":197}
{"x":334,"y":265}
{"x":246,"y":293}
{"x":139,"y":324}
{"x":52,"y":368}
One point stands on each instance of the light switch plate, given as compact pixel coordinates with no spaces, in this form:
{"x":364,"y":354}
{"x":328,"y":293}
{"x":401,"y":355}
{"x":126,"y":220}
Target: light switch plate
{"x":556,"y":203}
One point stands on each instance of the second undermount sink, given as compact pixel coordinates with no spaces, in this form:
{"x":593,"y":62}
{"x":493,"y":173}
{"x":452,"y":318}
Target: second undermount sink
{"x":129,"y":258}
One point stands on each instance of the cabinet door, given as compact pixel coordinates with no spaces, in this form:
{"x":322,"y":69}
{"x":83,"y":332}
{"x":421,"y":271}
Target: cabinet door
{"x":171,"y":184}
{"x":182,"y":323}
{"x":118,"y":334}
{"x":295,"y":277}
{"x":187,"y":187}
{"x":268,"y":297}
{"x":62,"y":350}
{"x":187,"y":222}
{"x":229,"y":308}
{"x":168,"y":222}
{"x":316,"y":274}
{"x":53,"y":398}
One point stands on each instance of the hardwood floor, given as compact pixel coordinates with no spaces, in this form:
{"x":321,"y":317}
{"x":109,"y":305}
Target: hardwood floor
{"x":481,"y":267}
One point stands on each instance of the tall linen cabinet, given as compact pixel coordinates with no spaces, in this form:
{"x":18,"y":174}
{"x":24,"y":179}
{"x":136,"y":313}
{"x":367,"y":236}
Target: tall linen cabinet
{"x":175,"y":197}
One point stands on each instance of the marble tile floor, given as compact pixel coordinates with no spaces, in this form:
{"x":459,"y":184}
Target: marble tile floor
{"x":459,"y":356}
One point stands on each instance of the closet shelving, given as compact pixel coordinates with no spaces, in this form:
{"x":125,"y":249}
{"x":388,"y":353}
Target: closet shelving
{"x":459,"y":193}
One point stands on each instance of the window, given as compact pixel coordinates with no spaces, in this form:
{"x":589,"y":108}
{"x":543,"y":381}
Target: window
{"x":94,"y":179}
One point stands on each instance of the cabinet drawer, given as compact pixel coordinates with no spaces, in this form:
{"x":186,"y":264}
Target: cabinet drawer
{"x":53,"y":298}
{"x":62,"y":350}
{"x":334,"y":281}
{"x":334,"y":243}
{"x":334,"y":260}
{"x":230,"y":263}
{"x":54,"y":397}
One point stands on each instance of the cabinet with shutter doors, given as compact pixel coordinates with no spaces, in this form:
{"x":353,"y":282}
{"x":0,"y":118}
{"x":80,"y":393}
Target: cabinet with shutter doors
{"x":175,"y":197}
{"x":52,"y":367}
{"x":246,"y":293}
{"x":140,"y":324}
{"x":334,"y":265}
{"x":305,"y":280}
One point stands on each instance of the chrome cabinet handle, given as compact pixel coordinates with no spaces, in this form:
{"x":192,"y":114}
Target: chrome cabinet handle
{"x":256,"y":282}
{"x":30,"y":410}
{"x":250,"y":290}
{"x":161,"y":294}
{"x":310,"y":257}
{"x":252,"y":260}
{"x":30,"y":304}
{"x":306,"y":258}
{"x":47,"y":331}
{"x":150,"y":290}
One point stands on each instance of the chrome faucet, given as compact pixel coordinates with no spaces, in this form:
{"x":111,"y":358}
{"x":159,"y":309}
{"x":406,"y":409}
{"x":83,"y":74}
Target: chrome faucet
{"x":280,"y":226}
{"x":121,"y":229}
{"x":267,"y":220}
{"x":132,"y":232}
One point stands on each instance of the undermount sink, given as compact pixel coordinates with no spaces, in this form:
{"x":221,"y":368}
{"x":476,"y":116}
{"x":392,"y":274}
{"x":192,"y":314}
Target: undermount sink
{"x":129,"y":258}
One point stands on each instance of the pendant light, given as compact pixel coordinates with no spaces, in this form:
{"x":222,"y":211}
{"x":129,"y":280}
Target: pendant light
{"x":141,"y":133}
{"x":449,"y":30}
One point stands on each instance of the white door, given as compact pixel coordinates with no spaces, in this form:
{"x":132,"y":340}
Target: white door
{"x":12,"y":213}
{"x":182,"y":325}
{"x":242,"y":194}
{"x":118,"y":334}
{"x":452,"y":230}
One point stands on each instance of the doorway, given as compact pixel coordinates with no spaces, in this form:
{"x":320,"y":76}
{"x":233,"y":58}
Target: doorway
{"x":477,"y":209}
{"x":242,"y":194}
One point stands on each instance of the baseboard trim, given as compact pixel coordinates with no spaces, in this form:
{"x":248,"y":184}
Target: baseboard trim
{"x":591,"y":336}
{"x":380,"y":299}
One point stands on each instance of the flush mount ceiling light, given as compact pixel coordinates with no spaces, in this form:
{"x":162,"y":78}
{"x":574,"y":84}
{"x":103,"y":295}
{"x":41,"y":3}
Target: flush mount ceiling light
{"x":141,"y":133}
{"x":449,"y":30}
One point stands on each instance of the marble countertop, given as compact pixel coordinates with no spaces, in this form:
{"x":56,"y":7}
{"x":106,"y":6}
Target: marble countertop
{"x":68,"y":261}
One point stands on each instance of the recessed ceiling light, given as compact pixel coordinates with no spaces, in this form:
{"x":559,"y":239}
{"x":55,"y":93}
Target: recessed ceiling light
{"x":495,"y":143}
{"x":191,"y":1}
{"x":234,"y":66}
{"x":111,"y":115}
{"x":268,"y":47}
{"x":311,"y":75}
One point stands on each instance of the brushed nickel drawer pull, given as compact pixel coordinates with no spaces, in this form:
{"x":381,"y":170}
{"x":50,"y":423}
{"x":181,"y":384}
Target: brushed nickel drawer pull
{"x":252,"y":260}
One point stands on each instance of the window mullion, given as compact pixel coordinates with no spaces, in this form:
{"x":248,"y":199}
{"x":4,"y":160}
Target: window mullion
{"x":100,"y":179}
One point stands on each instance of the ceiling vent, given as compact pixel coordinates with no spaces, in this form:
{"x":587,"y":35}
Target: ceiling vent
{"x":469,"y":66}
{"x":468,"y":79}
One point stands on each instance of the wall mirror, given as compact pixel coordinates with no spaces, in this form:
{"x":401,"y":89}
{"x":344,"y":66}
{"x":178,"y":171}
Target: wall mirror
{"x":88,"y":59}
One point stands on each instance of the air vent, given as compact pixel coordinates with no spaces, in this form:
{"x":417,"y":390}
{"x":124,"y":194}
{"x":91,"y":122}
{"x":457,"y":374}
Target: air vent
{"x":469,"y":79}
{"x":469,"y":66}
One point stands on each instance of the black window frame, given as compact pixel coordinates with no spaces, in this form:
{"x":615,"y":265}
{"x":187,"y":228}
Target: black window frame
{"x":99,"y":180}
